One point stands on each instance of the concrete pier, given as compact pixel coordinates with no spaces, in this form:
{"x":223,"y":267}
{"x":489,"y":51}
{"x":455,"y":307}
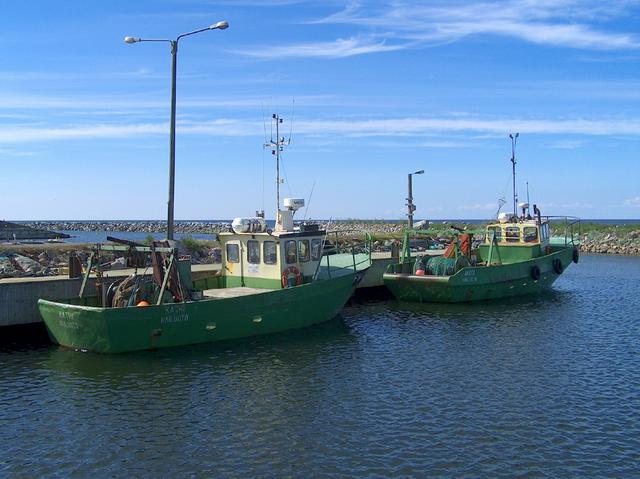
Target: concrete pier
{"x":19,"y":296}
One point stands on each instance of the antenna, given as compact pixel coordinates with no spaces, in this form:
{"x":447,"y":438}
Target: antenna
{"x":501,"y":203}
{"x":277,"y":147}
{"x":309,"y":202}
{"x":514,"y":139}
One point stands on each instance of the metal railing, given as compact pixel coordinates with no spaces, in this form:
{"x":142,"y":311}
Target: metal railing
{"x":569,"y":225}
{"x":357,"y":247}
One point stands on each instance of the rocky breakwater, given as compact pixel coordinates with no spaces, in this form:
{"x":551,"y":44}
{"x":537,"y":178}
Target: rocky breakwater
{"x":51,"y":260}
{"x":186,"y":227}
{"x":611,"y":242}
{"x":373,"y":228}
{"x":19,"y":264}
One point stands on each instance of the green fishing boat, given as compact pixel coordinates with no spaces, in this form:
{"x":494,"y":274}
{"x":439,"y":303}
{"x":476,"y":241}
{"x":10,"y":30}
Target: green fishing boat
{"x":270,"y":281}
{"x":512,"y":259}
{"x":513,"y":256}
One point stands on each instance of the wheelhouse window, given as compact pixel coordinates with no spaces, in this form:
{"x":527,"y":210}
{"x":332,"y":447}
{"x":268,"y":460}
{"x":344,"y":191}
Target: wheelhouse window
{"x":290,"y":251}
{"x":512,"y":234}
{"x":494,"y":232}
{"x":233,"y":253}
{"x":270,"y":252}
{"x":530,"y":234}
{"x":303,"y":250}
{"x":316,"y":249}
{"x":544,"y":232}
{"x":253,"y":252}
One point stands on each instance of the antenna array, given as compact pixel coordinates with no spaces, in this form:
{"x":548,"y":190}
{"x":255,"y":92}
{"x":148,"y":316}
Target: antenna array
{"x":277,"y":147}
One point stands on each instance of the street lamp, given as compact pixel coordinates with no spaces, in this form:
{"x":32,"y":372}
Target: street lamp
{"x":410,"y":206}
{"x":172,"y":131}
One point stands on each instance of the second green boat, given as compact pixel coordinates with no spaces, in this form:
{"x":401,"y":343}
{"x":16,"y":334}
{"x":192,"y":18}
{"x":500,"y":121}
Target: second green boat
{"x":515,"y":257}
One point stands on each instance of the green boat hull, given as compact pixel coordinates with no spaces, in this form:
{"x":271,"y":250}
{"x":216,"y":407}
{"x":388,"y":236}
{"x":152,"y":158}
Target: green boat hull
{"x":118,"y":330}
{"x":481,"y":283}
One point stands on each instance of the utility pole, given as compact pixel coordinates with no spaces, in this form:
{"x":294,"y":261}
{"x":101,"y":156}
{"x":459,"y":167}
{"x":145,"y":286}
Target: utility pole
{"x":410,"y":206}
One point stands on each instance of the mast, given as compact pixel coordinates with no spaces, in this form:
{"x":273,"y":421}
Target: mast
{"x":514,"y":139}
{"x":277,"y":146}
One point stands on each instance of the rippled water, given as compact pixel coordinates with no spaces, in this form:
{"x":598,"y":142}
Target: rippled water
{"x":535,"y":387}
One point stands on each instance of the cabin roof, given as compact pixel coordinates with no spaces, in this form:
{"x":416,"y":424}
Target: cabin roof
{"x":277,"y":234}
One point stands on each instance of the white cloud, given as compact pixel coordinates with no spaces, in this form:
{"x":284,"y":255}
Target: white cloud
{"x":339,"y":48}
{"x":479,"y":207}
{"x":412,"y":23}
{"x":635,"y":202}
{"x":124,"y":102}
{"x":568,"y":144}
{"x":391,"y":127}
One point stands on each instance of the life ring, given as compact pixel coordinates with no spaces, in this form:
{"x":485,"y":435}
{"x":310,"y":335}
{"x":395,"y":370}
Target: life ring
{"x":291,"y":270}
{"x":576,"y":255}
{"x":535,"y":272}
{"x":557,"y":266}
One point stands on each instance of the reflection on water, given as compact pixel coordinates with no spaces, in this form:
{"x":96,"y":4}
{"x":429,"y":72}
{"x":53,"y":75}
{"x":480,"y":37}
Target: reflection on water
{"x":536,"y":386}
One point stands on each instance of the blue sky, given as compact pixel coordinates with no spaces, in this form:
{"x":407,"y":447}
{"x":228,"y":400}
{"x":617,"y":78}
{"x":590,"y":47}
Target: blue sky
{"x":381,"y":89}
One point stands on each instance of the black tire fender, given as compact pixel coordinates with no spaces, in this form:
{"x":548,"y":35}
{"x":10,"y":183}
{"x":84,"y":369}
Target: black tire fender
{"x":535,"y":272}
{"x":557,"y":266}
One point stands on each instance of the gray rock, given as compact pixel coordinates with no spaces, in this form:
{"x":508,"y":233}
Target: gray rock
{"x":27,"y":265}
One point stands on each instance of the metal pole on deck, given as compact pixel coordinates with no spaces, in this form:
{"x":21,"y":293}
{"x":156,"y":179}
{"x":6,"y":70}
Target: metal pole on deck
{"x":514,"y":139}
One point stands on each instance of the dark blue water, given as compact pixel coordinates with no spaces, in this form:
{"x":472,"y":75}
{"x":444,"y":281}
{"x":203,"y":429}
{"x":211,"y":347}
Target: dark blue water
{"x":543,"y":386}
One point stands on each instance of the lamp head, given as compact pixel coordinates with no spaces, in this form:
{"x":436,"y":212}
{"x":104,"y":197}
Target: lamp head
{"x":219,"y":26}
{"x":131,"y":40}
{"x":419,"y":172}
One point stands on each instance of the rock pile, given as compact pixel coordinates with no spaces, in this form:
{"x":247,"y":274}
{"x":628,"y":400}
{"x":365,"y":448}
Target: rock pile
{"x":186,"y":227}
{"x":15,"y":265}
{"x":611,"y":243}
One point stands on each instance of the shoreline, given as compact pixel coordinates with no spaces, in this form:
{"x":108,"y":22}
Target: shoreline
{"x":49,"y":259}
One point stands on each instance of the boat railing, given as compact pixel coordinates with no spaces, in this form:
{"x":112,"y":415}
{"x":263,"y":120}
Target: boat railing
{"x":360,"y":247}
{"x":568,"y":226}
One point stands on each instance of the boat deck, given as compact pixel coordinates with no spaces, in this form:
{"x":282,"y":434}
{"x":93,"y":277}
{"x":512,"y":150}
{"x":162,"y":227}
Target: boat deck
{"x":222,"y":293}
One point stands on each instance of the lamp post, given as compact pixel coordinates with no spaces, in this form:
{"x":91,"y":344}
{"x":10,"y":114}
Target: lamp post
{"x":172,"y":130}
{"x":410,"y":206}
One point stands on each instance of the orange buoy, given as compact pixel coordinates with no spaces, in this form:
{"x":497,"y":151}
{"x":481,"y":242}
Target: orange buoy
{"x":143,"y":303}
{"x":420,"y":272}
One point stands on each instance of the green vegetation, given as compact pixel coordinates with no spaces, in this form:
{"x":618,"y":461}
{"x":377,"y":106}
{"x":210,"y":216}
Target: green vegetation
{"x":586,"y":228}
{"x":193,"y":245}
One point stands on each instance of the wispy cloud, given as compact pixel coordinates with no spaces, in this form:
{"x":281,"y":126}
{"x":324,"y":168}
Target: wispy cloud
{"x":339,"y":48}
{"x":416,"y":126}
{"x":4,"y":153}
{"x":568,"y":144}
{"x":125,"y":102}
{"x":478,"y":207}
{"x":634,"y":202}
{"x":412,"y":23}
{"x":570,"y":205}
{"x":392,"y":127}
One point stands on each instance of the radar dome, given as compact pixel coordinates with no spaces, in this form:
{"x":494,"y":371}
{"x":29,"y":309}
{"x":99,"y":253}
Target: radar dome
{"x":293,"y":204}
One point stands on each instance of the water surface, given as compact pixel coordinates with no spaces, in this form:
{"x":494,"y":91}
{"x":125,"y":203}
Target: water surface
{"x":543,"y":386}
